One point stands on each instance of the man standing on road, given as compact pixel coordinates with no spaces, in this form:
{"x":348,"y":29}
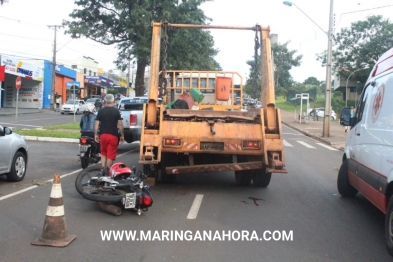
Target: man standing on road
{"x":109,"y":122}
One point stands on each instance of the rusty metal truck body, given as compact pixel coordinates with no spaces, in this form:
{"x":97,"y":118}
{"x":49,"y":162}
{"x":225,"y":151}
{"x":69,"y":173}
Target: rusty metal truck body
{"x":217,"y":136}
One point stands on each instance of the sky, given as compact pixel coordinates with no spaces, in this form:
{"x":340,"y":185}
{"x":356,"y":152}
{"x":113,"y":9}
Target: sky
{"x":24,"y":30}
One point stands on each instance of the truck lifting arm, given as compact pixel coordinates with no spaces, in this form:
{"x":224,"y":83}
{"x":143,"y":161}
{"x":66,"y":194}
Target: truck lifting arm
{"x":267,"y":94}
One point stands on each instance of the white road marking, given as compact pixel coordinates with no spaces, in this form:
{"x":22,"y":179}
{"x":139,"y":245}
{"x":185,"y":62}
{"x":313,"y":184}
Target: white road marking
{"x":195,"y":207}
{"x":287,"y":144}
{"x":295,"y":134}
{"x":328,"y":147}
{"x":305,"y":144}
{"x":51,"y":181}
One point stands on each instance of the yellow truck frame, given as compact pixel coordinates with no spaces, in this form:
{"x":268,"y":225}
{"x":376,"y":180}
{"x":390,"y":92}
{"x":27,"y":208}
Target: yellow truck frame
{"x":180,"y":141}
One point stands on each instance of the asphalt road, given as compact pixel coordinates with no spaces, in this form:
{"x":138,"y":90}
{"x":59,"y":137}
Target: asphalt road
{"x":38,"y":120}
{"x":324,"y":226}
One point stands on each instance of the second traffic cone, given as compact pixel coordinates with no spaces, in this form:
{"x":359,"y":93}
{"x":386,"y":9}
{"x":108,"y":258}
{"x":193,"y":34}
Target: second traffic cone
{"x":54,"y":232}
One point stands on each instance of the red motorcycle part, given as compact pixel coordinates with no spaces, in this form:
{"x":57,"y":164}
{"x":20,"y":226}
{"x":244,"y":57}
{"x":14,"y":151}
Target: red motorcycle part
{"x":83,"y":140}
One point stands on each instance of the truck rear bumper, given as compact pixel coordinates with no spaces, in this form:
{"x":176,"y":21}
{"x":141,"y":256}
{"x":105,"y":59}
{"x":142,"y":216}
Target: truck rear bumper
{"x":220,"y":167}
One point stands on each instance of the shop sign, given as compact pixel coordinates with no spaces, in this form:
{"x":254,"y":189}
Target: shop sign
{"x":14,"y":66}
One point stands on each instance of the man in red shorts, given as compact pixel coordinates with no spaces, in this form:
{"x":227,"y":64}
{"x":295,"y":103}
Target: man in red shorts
{"x":108,"y":121}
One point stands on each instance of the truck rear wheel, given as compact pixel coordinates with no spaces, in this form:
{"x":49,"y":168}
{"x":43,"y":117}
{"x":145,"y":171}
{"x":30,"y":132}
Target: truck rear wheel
{"x":261,"y":177}
{"x":243,"y":177}
{"x":167,"y":159}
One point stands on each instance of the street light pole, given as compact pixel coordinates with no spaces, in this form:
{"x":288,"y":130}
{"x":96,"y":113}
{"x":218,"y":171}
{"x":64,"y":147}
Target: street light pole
{"x":326,"y":122}
{"x":346,"y":85}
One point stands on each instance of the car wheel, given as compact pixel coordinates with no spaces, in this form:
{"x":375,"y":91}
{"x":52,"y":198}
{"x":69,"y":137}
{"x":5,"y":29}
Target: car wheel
{"x":62,"y":113}
{"x":389,"y":226}
{"x":18,"y":168}
{"x":344,"y":187}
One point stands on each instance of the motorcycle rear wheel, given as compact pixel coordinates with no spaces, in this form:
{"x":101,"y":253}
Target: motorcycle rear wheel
{"x":85,"y":160}
{"x":81,"y":181}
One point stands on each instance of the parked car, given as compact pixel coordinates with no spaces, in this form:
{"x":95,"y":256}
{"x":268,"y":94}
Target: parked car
{"x":73,"y":106}
{"x":258,"y":104}
{"x":92,"y":96}
{"x":13,"y":155}
{"x":321,"y":113}
{"x":97,"y":102}
{"x":131,"y":110}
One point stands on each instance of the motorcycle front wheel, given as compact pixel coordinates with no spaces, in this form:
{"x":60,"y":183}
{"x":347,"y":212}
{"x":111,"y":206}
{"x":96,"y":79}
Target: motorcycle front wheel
{"x":83,"y":180}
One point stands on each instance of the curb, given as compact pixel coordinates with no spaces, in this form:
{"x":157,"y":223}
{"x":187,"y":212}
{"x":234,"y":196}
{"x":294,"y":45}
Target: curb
{"x":24,"y":113}
{"x":51,"y":139}
{"x":313,"y":136}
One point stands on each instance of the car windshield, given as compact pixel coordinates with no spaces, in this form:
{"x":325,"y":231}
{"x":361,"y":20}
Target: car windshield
{"x":71,"y":102}
{"x":91,"y":100}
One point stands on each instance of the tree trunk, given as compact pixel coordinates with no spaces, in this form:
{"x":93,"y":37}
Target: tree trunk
{"x":140,"y":77}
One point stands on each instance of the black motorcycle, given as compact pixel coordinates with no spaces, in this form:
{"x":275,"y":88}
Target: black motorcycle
{"x":118,"y":186}
{"x":88,"y":151}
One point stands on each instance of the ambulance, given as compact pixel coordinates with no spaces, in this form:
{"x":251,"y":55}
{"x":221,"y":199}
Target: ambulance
{"x":367,"y":162}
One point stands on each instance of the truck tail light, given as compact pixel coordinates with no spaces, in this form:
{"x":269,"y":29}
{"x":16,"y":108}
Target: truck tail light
{"x":251,"y":144}
{"x":172,"y":142}
{"x":133,"y":119}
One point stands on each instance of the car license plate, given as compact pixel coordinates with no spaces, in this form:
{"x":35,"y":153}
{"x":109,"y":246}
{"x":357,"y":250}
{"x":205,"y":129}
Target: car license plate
{"x":130,"y":200}
{"x":212,"y":146}
{"x":83,"y":148}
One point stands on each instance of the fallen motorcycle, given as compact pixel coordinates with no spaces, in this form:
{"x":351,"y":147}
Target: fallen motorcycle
{"x":88,"y":151}
{"x":117,"y":186}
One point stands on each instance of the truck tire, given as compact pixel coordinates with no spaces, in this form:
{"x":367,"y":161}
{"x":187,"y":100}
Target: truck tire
{"x":344,"y":187}
{"x":389,"y":226}
{"x":243,"y":177}
{"x":261,"y":177}
{"x":167,"y":159}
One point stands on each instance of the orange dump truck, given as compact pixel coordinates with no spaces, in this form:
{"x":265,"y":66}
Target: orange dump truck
{"x":214,"y":134}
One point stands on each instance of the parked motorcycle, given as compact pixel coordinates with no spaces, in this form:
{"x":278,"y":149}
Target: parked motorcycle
{"x":119,"y":185}
{"x":88,"y":151}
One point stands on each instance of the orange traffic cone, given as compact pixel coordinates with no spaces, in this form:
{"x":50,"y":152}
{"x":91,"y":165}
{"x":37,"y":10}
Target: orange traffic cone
{"x":54,"y":232}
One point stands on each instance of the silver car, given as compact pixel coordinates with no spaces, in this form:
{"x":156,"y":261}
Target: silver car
{"x":13,"y":155}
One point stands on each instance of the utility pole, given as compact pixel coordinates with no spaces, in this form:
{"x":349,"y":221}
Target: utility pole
{"x":128,"y":78}
{"x":52,"y":97}
{"x":328,"y":92}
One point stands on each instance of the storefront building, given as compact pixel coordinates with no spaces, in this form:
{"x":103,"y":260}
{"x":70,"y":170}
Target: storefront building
{"x":32,"y":88}
{"x":97,"y":85}
{"x":63,"y":75}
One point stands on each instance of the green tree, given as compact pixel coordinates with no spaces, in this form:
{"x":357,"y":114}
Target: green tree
{"x":128,"y":25}
{"x":284,"y":60}
{"x":360,"y":46}
{"x":312,"y":81}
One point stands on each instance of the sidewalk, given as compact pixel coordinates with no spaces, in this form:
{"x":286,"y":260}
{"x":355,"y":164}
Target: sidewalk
{"x":314,"y":129}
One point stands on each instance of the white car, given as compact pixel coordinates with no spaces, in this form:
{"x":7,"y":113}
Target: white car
{"x":321,"y":112}
{"x":13,"y":155}
{"x":73,"y":106}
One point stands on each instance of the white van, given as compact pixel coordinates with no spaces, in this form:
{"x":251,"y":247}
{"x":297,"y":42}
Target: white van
{"x":367,"y":165}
